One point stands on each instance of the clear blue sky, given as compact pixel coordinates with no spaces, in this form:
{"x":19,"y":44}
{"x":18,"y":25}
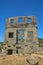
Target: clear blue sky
{"x":12,"y":8}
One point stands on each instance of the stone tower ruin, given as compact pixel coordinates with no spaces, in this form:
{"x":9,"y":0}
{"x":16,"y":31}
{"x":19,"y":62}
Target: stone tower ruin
{"x":20,"y":35}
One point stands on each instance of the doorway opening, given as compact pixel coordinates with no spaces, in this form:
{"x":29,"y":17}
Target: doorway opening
{"x":10,"y":52}
{"x":17,"y":51}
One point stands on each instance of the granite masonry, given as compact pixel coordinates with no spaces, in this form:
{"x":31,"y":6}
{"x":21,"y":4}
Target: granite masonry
{"x":21,"y":35}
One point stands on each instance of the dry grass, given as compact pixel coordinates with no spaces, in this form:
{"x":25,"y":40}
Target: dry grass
{"x":18,"y":60}
{"x":13,"y":60}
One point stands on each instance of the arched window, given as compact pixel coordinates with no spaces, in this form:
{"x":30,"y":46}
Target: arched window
{"x":12,"y":20}
{"x":20,"y":20}
{"x":29,"y":20}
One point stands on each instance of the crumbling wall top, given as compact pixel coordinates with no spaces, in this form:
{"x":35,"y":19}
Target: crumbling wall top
{"x":21,"y":20}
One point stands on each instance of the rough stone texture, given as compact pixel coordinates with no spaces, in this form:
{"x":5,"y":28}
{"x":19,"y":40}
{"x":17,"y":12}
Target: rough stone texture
{"x":28,"y":49}
{"x":29,"y":28}
{"x":32,"y":60}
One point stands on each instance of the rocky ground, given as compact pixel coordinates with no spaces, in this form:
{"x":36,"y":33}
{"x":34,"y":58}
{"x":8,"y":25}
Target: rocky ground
{"x":33,"y":59}
{"x":34,"y":56}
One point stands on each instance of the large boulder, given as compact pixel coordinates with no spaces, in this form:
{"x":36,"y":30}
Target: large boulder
{"x":32,"y":60}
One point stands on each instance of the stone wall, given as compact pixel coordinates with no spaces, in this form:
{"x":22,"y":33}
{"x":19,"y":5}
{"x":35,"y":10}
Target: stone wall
{"x":29,"y":28}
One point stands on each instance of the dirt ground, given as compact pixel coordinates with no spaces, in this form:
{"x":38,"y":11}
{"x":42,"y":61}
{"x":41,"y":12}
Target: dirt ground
{"x":18,"y":60}
{"x":13,"y":60}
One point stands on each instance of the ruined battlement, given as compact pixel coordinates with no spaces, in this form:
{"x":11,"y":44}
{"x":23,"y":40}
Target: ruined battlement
{"x":21,"y":21}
